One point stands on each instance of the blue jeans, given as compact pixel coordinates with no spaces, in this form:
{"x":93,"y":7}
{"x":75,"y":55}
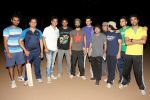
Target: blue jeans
{"x":35,"y":58}
{"x":50,"y":57}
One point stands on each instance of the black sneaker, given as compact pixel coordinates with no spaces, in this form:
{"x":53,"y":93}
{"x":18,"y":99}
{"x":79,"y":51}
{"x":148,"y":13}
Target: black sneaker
{"x":92,"y":78}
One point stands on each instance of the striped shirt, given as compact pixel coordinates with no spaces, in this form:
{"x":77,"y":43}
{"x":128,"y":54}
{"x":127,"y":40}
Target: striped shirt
{"x":13,"y":35}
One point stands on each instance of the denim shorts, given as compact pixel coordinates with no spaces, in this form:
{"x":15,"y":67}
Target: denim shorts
{"x":17,"y":58}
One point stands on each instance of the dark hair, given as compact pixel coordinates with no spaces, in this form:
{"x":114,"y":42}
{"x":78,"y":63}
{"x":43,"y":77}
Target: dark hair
{"x":97,"y":26}
{"x":134,"y":15}
{"x":64,"y":19}
{"x":123,"y":17}
{"x":88,"y":17}
{"x":53,"y":17}
{"x":33,"y":18}
{"x":15,"y":16}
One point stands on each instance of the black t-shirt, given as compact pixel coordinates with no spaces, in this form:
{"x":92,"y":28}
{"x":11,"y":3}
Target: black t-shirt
{"x":64,"y":38}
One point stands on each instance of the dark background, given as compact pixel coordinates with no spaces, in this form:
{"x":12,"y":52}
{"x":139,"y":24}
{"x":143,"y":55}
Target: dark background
{"x":99,"y":10}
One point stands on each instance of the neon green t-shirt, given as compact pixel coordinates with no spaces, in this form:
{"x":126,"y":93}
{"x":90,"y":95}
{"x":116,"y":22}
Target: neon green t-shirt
{"x":122,"y":31}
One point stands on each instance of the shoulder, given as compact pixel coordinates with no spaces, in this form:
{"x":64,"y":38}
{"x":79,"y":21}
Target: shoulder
{"x":39,"y":30}
{"x":7,"y":28}
{"x":25,"y":30}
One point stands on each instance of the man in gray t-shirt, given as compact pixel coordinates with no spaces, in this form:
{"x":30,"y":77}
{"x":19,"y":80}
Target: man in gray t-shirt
{"x":97,"y":51}
{"x":77,"y":38}
{"x":77,"y":51}
{"x":97,"y":45}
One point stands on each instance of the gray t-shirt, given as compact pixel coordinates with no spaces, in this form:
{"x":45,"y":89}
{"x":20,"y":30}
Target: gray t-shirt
{"x":97,"y":44}
{"x":78,"y":37}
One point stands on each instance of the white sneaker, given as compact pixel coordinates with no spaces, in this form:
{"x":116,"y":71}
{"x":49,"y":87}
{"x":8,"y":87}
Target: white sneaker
{"x":48,"y":80}
{"x":113,"y":81}
{"x":121,"y":86}
{"x":105,"y":80}
{"x":40,"y":80}
{"x":71,"y":76}
{"x":143,"y":92}
{"x":21,"y":78}
{"x":59,"y":75}
{"x":78,"y":75}
{"x":108,"y":85}
{"x":53,"y":77}
{"x":25,"y":83}
{"x":83,"y":77}
{"x":13,"y":84}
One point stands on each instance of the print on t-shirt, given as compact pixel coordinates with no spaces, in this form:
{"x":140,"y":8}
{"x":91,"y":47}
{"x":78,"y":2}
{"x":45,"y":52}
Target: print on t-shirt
{"x":78,"y":38}
{"x":64,"y":39}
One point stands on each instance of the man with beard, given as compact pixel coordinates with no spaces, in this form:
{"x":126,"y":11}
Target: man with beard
{"x":77,"y":51}
{"x":135,"y":38}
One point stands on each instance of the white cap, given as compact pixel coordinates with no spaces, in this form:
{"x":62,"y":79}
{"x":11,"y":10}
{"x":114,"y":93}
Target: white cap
{"x":113,"y":24}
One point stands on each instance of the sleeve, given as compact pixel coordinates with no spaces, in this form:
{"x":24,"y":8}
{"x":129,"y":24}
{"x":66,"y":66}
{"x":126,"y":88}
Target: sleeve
{"x":44,"y":33}
{"x":144,"y":32}
{"x":104,"y":39}
{"x":58,"y":34}
{"x":91,"y":39}
{"x":119,"y":36}
{"x":71,"y":35}
{"x":40,"y":35}
{"x":22,"y":36}
{"x":126,"y":33}
{"x":6,"y":32}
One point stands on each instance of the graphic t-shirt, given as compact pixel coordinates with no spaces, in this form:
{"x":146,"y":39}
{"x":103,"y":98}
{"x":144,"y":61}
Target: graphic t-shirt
{"x":64,"y":38}
{"x":112,"y":43}
{"x":77,"y":36}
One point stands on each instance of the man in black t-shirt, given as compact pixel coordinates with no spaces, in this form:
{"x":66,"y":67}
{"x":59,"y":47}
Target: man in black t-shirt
{"x":63,"y":46}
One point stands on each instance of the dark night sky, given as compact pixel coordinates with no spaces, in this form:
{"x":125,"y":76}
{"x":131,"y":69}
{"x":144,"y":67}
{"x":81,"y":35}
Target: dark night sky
{"x":100,"y":10}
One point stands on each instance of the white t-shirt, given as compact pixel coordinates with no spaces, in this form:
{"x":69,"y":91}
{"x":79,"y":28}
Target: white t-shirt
{"x":51,"y":36}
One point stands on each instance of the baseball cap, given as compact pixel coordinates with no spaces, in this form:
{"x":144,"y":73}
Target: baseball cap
{"x":113,"y":24}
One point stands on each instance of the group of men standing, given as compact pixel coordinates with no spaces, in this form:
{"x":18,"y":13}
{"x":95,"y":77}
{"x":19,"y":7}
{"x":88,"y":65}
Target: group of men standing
{"x":121,"y":48}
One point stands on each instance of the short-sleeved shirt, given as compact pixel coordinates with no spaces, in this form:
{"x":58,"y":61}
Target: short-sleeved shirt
{"x":64,"y":38}
{"x":88,"y":31}
{"x":122,"y":31}
{"x":13,"y":35}
{"x":136,"y":49}
{"x":51,"y":37}
{"x":78,"y":37}
{"x":112,"y":43}
{"x":32,"y":40}
{"x":97,"y":44}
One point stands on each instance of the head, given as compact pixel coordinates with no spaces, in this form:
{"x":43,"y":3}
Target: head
{"x":88,"y":21}
{"x":15,"y":20}
{"x":134,"y":20}
{"x":112,"y":26}
{"x":54,"y":21}
{"x":77,"y":22}
{"x":33,"y":22}
{"x":123,"y":21}
{"x":97,"y":29}
{"x":64,"y":22}
{"x":105,"y":26}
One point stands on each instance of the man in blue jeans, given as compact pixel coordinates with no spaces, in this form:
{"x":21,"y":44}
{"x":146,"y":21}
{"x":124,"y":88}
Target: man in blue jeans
{"x":33,"y":47}
{"x":50,"y":38}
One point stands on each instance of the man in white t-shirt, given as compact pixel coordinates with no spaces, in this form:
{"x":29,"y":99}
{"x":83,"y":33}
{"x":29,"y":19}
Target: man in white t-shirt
{"x":50,"y":37}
